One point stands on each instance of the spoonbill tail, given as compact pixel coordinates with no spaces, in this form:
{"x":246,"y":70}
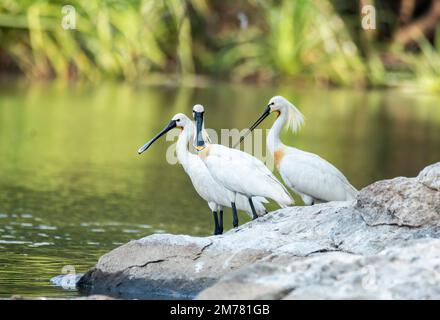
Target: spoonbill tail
{"x":205,"y":185}
{"x":307,"y":174}
{"x":237,"y":171}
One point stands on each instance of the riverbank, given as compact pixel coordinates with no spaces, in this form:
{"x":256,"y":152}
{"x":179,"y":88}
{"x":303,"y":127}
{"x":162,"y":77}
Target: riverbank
{"x":384,"y":245}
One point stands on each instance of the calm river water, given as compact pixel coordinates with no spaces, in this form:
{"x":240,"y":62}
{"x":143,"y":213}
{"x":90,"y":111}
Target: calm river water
{"x":73,"y":187}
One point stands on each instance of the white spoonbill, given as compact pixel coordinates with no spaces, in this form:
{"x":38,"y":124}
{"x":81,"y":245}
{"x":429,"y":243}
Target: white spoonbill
{"x":205,"y":185}
{"x":307,"y":174}
{"x":237,"y":171}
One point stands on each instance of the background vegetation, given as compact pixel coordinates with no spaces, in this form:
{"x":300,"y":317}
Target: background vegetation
{"x":318,"y":41}
{"x":72,"y":185}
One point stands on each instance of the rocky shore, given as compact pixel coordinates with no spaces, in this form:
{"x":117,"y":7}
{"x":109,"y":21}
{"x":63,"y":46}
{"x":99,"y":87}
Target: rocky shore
{"x":384,"y":245}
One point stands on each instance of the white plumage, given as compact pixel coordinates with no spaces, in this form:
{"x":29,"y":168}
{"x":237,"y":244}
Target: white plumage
{"x":307,"y":174}
{"x":313,"y":178}
{"x":243,"y":174}
{"x":239,"y":172}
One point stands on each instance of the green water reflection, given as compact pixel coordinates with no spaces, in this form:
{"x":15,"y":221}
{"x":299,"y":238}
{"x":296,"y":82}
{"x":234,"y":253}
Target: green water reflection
{"x":73,"y":187}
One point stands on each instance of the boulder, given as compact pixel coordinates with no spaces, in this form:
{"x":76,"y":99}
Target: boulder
{"x":174,"y":266}
{"x":410,"y":202}
{"x":315,"y":243}
{"x":430,"y":176}
{"x":411,"y":271}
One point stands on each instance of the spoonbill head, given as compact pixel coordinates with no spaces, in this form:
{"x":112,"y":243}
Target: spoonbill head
{"x":279,"y":105}
{"x":178,"y":121}
{"x":198,"y":112}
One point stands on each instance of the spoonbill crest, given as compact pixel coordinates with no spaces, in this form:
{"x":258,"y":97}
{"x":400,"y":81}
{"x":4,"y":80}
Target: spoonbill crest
{"x":307,"y":174}
{"x":237,"y":171}
{"x":207,"y":188}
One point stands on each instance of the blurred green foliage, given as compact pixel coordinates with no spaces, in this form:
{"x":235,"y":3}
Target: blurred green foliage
{"x":251,"y":40}
{"x":118,"y":39}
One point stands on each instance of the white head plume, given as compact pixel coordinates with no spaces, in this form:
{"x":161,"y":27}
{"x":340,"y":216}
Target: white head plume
{"x":295,"y":118}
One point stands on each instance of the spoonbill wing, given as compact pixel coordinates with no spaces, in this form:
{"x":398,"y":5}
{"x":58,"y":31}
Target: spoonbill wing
{"x":308,"y":173}
{"x":241,"y":172}
{"x":210,"y":190}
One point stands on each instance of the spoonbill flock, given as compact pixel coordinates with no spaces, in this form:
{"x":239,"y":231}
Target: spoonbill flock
{"x":228,"y":177}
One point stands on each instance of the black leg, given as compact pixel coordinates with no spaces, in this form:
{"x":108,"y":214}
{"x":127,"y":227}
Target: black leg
{"x":254,"y":213}
{"x":216,"y":227}
{"x":220,"y":224}
{"x":234,"y":215}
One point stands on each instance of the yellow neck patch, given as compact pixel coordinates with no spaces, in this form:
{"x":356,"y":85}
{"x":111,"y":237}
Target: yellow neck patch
{"x":278,"y":156}
{"x":204,"y":152}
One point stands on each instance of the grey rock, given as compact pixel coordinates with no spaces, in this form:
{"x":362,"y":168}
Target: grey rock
{"x":402,"y":272}
{"x":401,"y":201}
{"x":430,"y":176}
{"x":290,"y":253}
{"x":175,"y":266}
